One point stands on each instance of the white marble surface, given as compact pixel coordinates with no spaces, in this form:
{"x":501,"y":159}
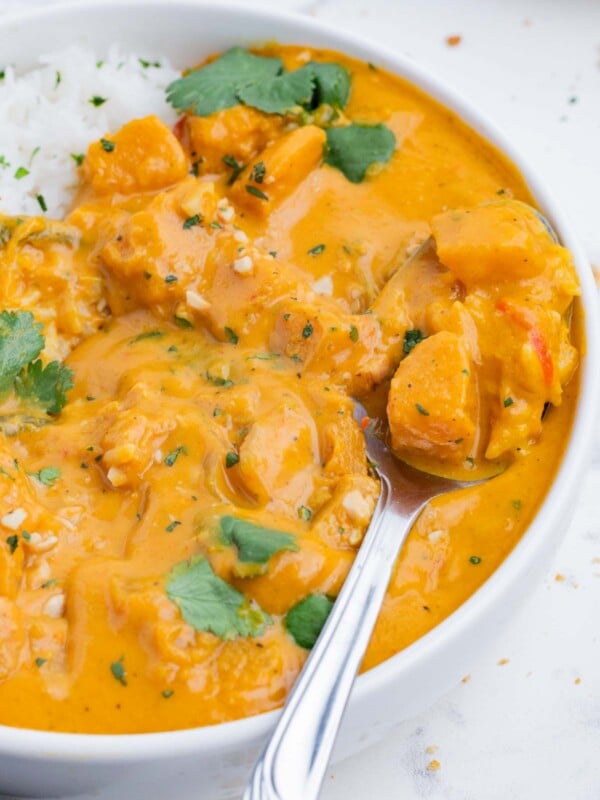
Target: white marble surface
{"x":527,"y":723}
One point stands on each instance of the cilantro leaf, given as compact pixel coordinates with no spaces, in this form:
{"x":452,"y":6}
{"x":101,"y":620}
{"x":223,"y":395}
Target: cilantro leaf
{"x":20,"y":342}
{"x":354,"y":148}
{"x":46,"y":386}
{"x":412,"y":338}
{"x":306,"y":619}
{"x":217,"y":85}
{"x":332,"y":84}
{"x":208,"y":603}
{"x":282,"y":93}
{"x":47,"y":475}
{"x":255,"y":544}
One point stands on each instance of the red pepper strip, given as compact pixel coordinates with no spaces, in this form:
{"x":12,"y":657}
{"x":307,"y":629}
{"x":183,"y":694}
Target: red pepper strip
{"x":364,"y":423}
{"x":178,"y":128}
{"x":526,"y":319}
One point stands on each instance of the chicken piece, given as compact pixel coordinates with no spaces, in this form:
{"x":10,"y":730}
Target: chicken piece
{"x":142,"y":156}
{"x":500,"y":241}
{"x":432,"y":405}
{"x":238,"y":133}
{"x":279,"y":169}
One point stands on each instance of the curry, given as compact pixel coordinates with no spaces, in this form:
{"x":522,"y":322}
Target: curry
{"x":183,"y":486}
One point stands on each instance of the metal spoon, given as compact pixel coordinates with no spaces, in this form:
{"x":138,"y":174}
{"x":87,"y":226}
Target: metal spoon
{"x":294,"y":761}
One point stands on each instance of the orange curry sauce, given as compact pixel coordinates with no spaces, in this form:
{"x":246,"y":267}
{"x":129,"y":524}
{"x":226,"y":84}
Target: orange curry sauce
{"x":214,"y":363}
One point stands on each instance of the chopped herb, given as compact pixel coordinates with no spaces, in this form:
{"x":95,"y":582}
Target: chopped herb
{"x":107,"y":145}
{"x":45,"y":386}
{"x":306,"y":619}
{"x":508,"y":401}
{"x":39,"y":662}
{"x":145,"y":64}
{"x":47,"y":475}
{"x":353,"y":149}
{"x":316,"y":250}
{"x":307,"y":331}
{"x":147,"y":335}
{"x":371,"y":66}
{"x":12,"y":542}
{"x":2,"y":74}
{"x":258,"y":172}
{"x":96,"y":100}
{"x":167,"y":693}
{"x":49,"y":584}
{"x":58,"y":79}
{"x":304,"y":513}
{"x":147,"y":275}
{"x":83,"y":465}
{"x":517,"y":505}
{"x":118,"y":671}
{"x":470,"y":460}
{"x":218,"y":381}
{"x":421,"y":409}
{"x":236,"y":167}
{"x":89,"y":398}
{"x":217,"y":412}
{"x":182,"y":322}
{"x":21,"y":173}
{"x":231,"y":335}
{"x":465,"y":372}
{"x":231,"y":459}
{"x":256,"y":192}
{"x":475,"y":560}
{"x":78,"y":158}
{"x":353,"y":333}
{"x":215,"y":224}
{"x":171,"y":279}
{"x":172,"y":349}
{"x":273,"y":253}
{"x":4,"y":163}
{"x":172,"y":525}
{"x":41,"y":202}
{"x":196,"y":219}
{"x":412,"y":339}
{"x":99,"y":64}
{"x":255,"y":543}
{"x":172,"y":457}
{"x":208,"y":603}
{"x":501,"y":191}
{"x":263,"y":356}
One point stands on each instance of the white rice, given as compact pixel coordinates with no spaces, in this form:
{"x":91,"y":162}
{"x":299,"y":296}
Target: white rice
{"x":46,"y":115}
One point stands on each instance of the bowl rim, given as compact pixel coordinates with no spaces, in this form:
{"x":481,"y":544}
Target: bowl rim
{"x":128,"y":747}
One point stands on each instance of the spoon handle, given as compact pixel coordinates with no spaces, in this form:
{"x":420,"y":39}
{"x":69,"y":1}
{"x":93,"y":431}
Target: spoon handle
{"x":293,"y":764}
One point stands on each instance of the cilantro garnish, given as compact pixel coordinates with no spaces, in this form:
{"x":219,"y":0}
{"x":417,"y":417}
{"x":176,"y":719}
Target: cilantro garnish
{"x":196,"y":219}
{"x":155,"y":334}
{"x":78,"y":158}
{"x":354,"y":148}
{"x":316,"y":250}
{"x":21,"y":343}
{"x":231,"y":335}
{"x":306,"y":619}
{"x":45,"y":386}
{"x":255,"y":544}
{"x":12,"y":542}
{"x":236,"y":167}
{"x":172,"y":457}
{"x":254,"y":190}
{"x":353,"y":334}
{"x":118,"y":671}
{"x":216,"y":85}
{"x":238,"y":76}
{"x":421,"y":409}
{"x":41,"y":202}
{"x":39,"y":662}
{"x":508,"y":401}
{"x":258,"y":172}
{"x":208,"y":603}
{"x":307,"y":331}
{"x":304,"y":513}
{"x":107,"y":145}
{"x":475,"y":560}
{"x":231,"y":459}
{"x":412,"y":339}
{"x":96,"y":100}
{"x":21,"y":173}
{"x":47,"y":475}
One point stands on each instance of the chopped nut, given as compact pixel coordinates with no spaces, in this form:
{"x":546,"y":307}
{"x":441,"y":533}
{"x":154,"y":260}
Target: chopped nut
{"x":196,"y":301}
{"x":55,"y":606}
{"x":14,"y":519}
{"x":243,"y":265}
{"x":116,"y":476}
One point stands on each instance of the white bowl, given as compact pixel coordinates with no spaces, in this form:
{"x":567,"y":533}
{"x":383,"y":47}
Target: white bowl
{"x":212,"y":763}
